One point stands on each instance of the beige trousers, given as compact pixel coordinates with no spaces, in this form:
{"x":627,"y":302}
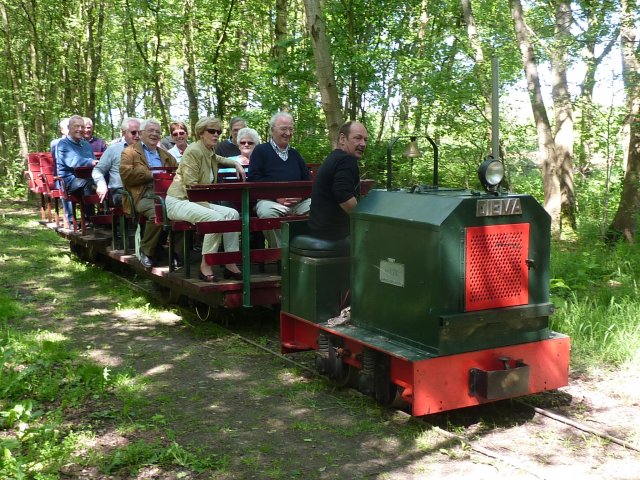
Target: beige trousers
{"x":193,"y":212}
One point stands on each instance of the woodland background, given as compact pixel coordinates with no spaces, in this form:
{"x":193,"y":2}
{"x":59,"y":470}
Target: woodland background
{"x":412,"y":67}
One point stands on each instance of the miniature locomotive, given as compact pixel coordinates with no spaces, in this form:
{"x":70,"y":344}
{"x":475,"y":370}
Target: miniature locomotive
{"x":449,"y":298}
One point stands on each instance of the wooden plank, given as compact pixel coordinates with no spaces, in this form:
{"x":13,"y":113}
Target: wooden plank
{"x":257,"y":190}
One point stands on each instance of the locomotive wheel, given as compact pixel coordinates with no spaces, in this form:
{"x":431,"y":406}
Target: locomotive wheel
{"x":174,"y":296}
{"x":386,"y":396}
{"x":350,"y":378}
{"x":74,"y":248}
{"x":384,"y":389}
{"x":86,"y":254}
{"x":322,"y":355}
{"x":321,"y":364}
{"x":338,"y":370}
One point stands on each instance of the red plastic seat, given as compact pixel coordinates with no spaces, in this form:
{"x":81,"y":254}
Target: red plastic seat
{"x":161,"y":183}
{"x":78,"y":200}
{"x":52,"y":192}
{"x":32,"y":174}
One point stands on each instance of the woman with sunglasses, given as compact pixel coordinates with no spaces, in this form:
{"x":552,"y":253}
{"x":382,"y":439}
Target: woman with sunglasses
{"x":179,"y":134}
{"x":200,"y":165}
{"x":248,"y":138}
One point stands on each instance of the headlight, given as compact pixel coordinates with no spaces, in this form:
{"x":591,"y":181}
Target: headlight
{"x":491,"y":173}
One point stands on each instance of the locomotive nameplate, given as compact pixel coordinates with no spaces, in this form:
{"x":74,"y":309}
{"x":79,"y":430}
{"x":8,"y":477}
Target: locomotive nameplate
{"x":392,"y":272}
{"x":498,"y":206}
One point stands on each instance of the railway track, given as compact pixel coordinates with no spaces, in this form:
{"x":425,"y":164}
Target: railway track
{"x":466,"y":439}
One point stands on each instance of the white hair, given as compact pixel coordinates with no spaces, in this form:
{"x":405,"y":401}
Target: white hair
{"x":125,"y":122}
{"x":249,"y":132}
{"x":150,"y":121}
{"x":276,"y":116}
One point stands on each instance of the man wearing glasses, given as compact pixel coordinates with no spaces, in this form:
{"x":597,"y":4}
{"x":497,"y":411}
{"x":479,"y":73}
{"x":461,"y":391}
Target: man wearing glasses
{"x":137,"y":177}
{"x":277,"y":161}
{"x":230,"y":147}
{"x":108,"y":168}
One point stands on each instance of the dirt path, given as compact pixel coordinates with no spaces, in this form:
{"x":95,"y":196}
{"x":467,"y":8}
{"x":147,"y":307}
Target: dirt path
{"x":260,"y":419}
{"x":257,"y":417}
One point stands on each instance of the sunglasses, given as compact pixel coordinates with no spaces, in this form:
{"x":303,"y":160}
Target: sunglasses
{"x":134,"y":132}
{"x":178,"y":133}
{"x":247,"y":143}
{"x":213,"y":131}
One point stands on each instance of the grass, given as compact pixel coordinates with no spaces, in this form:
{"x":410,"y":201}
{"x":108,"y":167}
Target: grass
{"x":595,"y":289}
{"x":55,"y":403}
{"x":43,"y":380}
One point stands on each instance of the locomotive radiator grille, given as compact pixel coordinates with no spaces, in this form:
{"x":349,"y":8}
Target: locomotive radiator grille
{"x":496,"y":273}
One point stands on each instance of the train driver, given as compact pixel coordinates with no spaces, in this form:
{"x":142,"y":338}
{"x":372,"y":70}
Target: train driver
{"x":336,"y":188}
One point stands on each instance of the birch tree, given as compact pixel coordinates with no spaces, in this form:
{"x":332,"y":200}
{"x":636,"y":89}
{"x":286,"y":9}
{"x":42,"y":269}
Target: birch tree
{"x":625,"y":221}
{"x":324,"y":69}
{"x":546,"y":143}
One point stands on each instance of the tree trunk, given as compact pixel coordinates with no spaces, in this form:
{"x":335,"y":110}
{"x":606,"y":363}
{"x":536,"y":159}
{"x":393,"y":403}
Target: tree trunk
{"x":189,"y":67}
{"x":324,"y":69}
{"x":385,"y":109}
{"x":279,"y":51}
{"x":94,"y":45}
{"x":546,"y":144}
{"x":563,"y":109}
{"x":220,"y":93}
{"x":152,"y":65}
{"x":482,"y":72}
{"x":596,"y":13}
{"x":13,"y":73}
{"x":625,"y":221}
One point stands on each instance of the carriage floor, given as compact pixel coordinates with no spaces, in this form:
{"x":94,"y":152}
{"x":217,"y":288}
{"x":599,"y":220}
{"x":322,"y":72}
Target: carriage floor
{"x":264,"y":284}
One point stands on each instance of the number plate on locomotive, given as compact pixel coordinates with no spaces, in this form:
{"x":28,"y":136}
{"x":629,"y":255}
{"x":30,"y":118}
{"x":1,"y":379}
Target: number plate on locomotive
{"x":498,"y":206}
{"x":392,"y":272}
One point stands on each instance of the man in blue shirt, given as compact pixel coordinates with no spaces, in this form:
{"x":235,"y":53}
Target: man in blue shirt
{"x":137,"y":177}
{"x":64,"y":131}
{"x":108,"y":168}
{"x":74,"y":151}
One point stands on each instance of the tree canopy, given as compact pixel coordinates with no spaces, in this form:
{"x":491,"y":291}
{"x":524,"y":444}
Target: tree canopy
{"x":412,"y":67}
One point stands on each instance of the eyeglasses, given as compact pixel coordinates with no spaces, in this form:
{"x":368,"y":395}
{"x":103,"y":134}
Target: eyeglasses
{"x":285,"y":129}
{"x":213,"y":131}
{"x":178,"y":133}
{"x":152,"y":130}
{"x":247,"y":143}
{"x":134,"y":132}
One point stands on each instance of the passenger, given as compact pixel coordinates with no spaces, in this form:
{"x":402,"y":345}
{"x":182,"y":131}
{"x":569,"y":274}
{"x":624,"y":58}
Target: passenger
{"x":108,"y":167}
{"x":64,"y":131}
{"x":248,"y":138}
{"x":336,"y":188}
{"x":167,"y":142}
{"x":74,"y":151}
{"x":198,"y":163}
{"x":137,"y":177}
{"x":277,"y":161}
{"x":179,"y":134}
{"x":98,"y":145}
{"x":229,"y":148}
